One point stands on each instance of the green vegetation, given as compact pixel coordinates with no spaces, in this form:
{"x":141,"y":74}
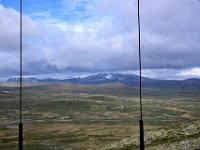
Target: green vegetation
{"x":67,"y":116}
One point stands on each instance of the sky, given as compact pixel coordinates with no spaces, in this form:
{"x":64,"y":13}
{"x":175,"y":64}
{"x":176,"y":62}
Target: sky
{"x":66,"y":38}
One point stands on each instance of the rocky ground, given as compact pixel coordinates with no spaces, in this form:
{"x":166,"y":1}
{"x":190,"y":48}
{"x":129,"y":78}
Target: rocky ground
{"x":181,"y":137}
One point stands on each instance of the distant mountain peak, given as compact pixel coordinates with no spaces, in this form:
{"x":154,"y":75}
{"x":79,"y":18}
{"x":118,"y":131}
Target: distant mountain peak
{"x":126,"y":79}
{"x":110,"y":76}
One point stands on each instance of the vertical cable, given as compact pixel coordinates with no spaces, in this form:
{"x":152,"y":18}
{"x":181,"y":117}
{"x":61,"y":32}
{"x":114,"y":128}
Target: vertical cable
{"x":20,"y":92}
{"x":20,"y":62}
{"x":140,"y":61}
{"x":140,"y":68}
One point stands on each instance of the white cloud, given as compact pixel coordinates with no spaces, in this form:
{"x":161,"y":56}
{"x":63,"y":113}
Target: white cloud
{"x":192,"y":73}
{"x":106,"y":40}
{"x":9,"y":26}
{"x":9,"y":40}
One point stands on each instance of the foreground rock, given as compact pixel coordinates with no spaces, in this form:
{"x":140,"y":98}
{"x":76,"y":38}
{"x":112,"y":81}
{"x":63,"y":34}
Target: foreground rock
{"x":182,"y":137}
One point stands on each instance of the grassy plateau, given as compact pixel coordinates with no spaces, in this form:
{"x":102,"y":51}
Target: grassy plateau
{"x":87,"y":117}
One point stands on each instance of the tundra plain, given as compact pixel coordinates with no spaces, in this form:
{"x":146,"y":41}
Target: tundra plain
{"x":106,"y":116}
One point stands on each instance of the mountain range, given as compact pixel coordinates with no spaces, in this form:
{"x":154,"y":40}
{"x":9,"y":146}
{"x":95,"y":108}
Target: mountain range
{"x":129,"y":80}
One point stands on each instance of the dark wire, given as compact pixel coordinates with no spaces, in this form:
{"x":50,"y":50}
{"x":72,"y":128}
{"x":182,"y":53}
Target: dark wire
{"x":140,"y":61}
{"x":20,"y":109}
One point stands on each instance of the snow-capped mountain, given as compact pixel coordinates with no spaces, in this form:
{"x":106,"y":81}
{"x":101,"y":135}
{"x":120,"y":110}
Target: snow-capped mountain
{"x":129,"y":80}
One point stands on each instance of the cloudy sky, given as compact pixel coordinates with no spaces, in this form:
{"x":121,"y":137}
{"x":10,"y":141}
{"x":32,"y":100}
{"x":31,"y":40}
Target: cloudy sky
{"x":63,"y":38}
